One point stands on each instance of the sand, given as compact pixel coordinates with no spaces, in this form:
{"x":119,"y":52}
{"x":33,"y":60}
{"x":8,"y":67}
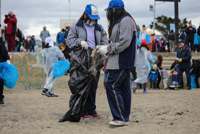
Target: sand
{"x":159,"y":112}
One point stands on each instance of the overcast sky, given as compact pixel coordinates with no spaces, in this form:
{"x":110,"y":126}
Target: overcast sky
{"x":32,"y":15}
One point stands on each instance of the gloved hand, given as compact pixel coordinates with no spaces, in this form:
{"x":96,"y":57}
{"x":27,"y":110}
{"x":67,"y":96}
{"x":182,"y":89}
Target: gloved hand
{"x":180,"y":60}
{"x":8,"y":61}
{"x":103,"y":49}
{"x":84,"y":45}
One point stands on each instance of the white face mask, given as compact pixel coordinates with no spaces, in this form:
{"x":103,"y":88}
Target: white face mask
{"x":29,"y":39}
{"x":91,"y":23}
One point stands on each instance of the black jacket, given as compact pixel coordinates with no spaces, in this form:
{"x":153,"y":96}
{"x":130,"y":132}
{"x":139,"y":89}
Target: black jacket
{"x":196,"y":67}
{"x":158,"y":63}
{"x":185,"y":54}
{"x":190,"y":33}
{"x":198,"y":31}
{"x":3,"y":52}
{"x":19,"y":35}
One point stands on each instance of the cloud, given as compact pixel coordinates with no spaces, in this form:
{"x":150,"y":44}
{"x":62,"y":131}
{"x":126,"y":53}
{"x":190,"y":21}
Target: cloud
{"x":32,"y":15}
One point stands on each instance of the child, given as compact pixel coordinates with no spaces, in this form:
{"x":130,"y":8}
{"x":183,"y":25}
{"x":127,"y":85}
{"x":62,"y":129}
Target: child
{"x":27,"y":44}
{"x":153,"y":76}
{"x":17,"y":43}
{"x":133,"y":78}
{"x":33,"y":43}
{"x":173,"y":74}
{"x":165,"y":77}
{"x":51,"y":54}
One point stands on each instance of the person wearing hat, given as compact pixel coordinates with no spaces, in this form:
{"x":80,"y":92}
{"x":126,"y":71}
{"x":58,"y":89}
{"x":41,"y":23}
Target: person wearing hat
{"x":122,"y":50}
{"x":183,"y":58}
{"x":142,"y":68}
{"x":51,"y":54}
{"x":87,"y":33}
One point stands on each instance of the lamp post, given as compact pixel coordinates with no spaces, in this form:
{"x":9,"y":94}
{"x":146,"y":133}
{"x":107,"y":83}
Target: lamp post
{"x":69,"y":11}
{"x":154,"y":14}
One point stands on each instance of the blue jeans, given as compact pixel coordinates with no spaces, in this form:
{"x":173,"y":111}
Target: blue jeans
{"x":32,"y":48}
{"x":180,"y":74}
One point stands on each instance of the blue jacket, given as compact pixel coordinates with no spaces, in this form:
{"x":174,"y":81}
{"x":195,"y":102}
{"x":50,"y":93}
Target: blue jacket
{"x":60,"y":37}
{"x":153,"y":75}
{"x":196,"y":39}
{"x":33,"y":42}
{"x":185,"y":54}
{"x":182,"y":37}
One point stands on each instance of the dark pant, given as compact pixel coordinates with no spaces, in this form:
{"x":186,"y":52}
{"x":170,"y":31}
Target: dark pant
{"x":1,"y":89}
{"x":119,"y":94}
{"x":180,"y":75}
{"x":32,"y":49}
{"x":197,"y":79}
{"x":153,"y":84}
{"x":11,"y":42}
{"x":90,"y":105}
{"x":196,"y":47}
{"x":190,"y":43}
{"x":43,"y":45}
{"x":159,"y":79}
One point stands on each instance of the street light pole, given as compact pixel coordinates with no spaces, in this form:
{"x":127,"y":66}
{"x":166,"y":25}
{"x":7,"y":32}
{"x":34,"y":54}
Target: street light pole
{"x":176,"y":22}
{"x":154,"y":14}
{"x":69,"y":11}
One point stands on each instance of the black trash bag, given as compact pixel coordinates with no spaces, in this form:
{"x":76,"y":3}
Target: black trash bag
{"x":81,"y":75}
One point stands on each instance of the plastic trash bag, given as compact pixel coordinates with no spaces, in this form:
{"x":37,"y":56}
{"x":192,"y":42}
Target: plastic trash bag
{"x":60,"y":67}
{"x":138,"y":42}
{"x":81,"y":76}
{"x":193,"y":84}
{"x":9,"y":74}
{"x":148,"y":38}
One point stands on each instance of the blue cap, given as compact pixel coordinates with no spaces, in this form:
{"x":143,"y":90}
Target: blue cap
{"x":92,"y":11}
{"x":181,"y":41}
{"x":116,"y":4}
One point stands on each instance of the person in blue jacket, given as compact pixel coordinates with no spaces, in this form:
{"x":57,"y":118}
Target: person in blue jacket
{"x":182,"y":36}
{"x":122,"y":49}
{"x":33,"y":43}
{"x":196,"y":42}
{"x":60,"y":36}
{"x":183,"y":58}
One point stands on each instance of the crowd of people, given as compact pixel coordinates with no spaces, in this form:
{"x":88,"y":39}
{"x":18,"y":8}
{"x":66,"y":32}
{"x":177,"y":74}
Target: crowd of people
{"x":124,"y":58}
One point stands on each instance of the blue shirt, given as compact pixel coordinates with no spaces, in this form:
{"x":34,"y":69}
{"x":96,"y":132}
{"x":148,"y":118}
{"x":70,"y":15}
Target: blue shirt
{"x":90,"y":36}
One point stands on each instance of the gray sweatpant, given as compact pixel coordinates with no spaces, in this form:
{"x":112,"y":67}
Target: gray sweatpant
{"x":165,"y":82}
{"x":49,"y":83}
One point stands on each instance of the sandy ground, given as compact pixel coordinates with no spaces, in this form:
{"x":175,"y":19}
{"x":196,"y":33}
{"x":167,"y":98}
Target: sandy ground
{"x":159,"y":112}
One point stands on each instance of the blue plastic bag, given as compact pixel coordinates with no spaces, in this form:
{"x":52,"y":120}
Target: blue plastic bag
{"x":60,"y":67}
{"x":9,"y":74}
{"x":193,"y":84}
{"x":138,"y":42}
{"x":148,"y":38}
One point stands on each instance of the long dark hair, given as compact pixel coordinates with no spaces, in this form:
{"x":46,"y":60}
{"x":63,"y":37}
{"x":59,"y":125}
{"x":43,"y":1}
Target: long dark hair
{"x":145,"y":46}
{"x":85,"y":19}
{"x":160,"y":58}
{"x":112,"y":17}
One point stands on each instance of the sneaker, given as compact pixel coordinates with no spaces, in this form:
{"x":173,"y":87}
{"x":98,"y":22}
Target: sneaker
{"x":44,"y":91}
{"x":96,"y":116}
{"x":150,"y":88}
{"x":156,"y":89}
{"x":119,"y":123}
{"x":145,"y":92}
{"x":87,"y":117}
{"x":51,"y":95}
{"x":134,"y":89}
{"x":178,"y":87}
{"x":187,"y":88}
{"x":1,"y":102}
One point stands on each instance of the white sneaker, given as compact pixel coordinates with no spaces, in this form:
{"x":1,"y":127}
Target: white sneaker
{"x":119,"y":123}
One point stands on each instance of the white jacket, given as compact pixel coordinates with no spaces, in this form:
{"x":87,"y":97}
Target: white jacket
{"x":143,"y":35}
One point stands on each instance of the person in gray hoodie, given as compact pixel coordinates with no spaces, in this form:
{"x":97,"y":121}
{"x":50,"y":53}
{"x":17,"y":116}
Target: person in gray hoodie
{"x":43,"y":35}
{"x":87,"y":33}
{"x":122,"y":49}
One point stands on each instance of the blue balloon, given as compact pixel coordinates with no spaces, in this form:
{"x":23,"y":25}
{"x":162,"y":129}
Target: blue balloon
{"x":194,"y":27}
{"x":60,"y":67}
